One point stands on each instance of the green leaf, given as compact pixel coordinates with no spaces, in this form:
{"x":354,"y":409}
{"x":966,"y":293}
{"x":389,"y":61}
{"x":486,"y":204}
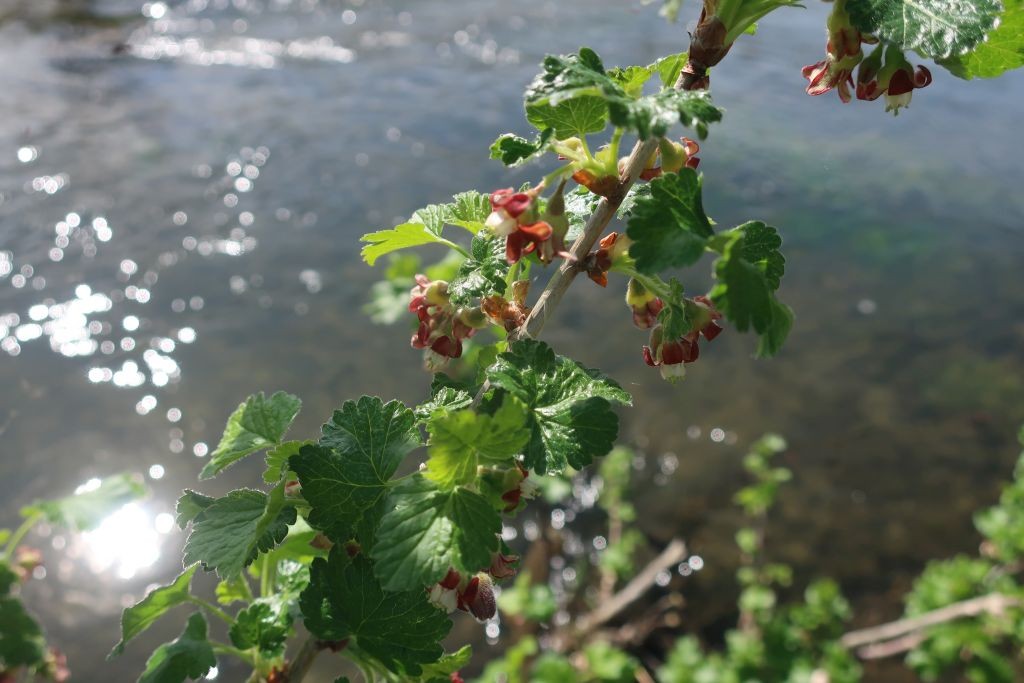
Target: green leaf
{"x":233,"y":530}
{"x":744,"y":294}
{"x":1002,"y":51}
{"x":568,"y":118}
{"x":444,"y":398}
{"x":760,"y":246}
{"x":345,"y":478}
{"x":513,"y":150}
{"x":441,"y":670}
{"x":143,"y":614}
{"x":483,"y":274}
{"x":189,"y":656}
{"x":277,"y":459}
{"x":632,"y":78}
{"x":190,"y":507}
{"x":569,"y":410}
{"x":932,"y":28}
{"x":264,"y":625}
{"x":399,"y":237}
{"x":21,"y":639}
{"x":85,"y":510}
{"x":8,"y":578}
{"x":345,"y":600}
{"x":256,"y":424}
{"x":669,"y":68}
{"x":574,"y":95}
{"x":673,"y":317}
{"x":234,"y":590}
{"x":653,"y":115}
{"x":668,"y":227}
{"x":427,"y":530}
{"x":459,"y":441}
{"x":468,"y":210}
{"x":565,"y":77}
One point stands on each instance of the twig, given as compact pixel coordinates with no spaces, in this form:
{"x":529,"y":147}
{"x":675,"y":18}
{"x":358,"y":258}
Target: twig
{"x":869,"y":642}
{"x":302,"y":662}
{"x":599,"y":220}
{"x":546,"y":303}
{"x":674,"y":553}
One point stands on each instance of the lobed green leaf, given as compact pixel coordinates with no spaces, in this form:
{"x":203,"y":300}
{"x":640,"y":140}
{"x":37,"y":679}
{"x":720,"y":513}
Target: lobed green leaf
{"x":1002,"y":50}
{"x":232,"y":531}
{"x":345,"y":477}
{"x":428,"y":530}
{"x":668,"y":227}
{"x":188,"y":656}
{"x":569,"y":410}
{"x":932,"y":28}
{"x":345,"y":600}
{"x":256,"y":424}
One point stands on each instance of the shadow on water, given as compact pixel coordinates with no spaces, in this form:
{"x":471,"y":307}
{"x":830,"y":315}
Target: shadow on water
{"x":178,"y":227}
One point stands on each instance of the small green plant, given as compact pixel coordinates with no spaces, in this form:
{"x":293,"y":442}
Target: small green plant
{"x":370,"y":533}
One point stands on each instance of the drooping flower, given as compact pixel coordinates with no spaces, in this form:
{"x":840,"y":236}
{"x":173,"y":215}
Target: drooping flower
{"x":507,"y":206}
{"x":842,"y":54}
{"x":896,"y":78}
{"x":477,"y":598}
{"x":441,"y":327}
{"x":514,"y":216}
{"x":671,"y":355}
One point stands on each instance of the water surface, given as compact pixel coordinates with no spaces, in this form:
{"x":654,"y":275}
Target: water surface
{"x":180,"y":198}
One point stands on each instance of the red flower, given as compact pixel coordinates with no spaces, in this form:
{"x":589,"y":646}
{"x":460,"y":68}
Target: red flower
{"x":442,"y":328}
{"x":506,"y":207}
{"x":526,"y":239}
{"x":897,"y":79}
{"x":477,"y":598}
{"x":670,"y":356}
{"x":842,"y":54}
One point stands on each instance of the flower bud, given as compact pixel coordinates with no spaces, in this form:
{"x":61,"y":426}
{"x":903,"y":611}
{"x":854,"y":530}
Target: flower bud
{"x":472,"y":317}
{"x":477,"y":598}
{"x":675,"y":156}
{"x":436,"y":293}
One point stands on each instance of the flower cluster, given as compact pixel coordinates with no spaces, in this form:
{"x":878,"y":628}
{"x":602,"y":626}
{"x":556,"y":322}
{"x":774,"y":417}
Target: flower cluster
{"x":472,"y":594}
{"x":442,"y":327}
{"x":671,"y":355}
{"x":896,"y":78}
{"x":516,"y":217}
